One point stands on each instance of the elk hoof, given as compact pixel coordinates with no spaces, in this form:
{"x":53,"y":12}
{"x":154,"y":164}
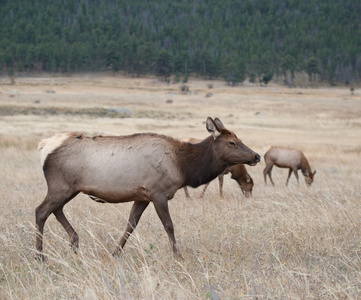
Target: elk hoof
{"x":117,"y":251}
{"x":178,"y":257}
{"x":75,"y":246}
{"x":39,"y":257}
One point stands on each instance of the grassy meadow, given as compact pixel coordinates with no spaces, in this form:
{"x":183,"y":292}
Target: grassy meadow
{"x":283,"y":243}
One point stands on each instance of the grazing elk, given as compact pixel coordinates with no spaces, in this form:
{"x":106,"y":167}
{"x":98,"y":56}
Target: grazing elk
{"x":292,"y":159}
{"x":238,"y":173}
{"x":143,"y":168}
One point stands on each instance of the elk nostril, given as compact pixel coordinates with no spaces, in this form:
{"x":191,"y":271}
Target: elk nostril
{"x":258,"y":158}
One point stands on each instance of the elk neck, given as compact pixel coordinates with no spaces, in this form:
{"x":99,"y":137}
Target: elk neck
{"x":305,"y":166}
{"x":199,"y":164}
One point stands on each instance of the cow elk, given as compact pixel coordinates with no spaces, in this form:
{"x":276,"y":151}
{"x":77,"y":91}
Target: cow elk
{"x":292,"y":159}
{"x":143,"y":168}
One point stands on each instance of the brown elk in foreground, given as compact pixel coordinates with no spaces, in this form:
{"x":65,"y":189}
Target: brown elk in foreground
{"x":238,"y":173}
{"x":143,"y":168}
{"x":292,"y":159}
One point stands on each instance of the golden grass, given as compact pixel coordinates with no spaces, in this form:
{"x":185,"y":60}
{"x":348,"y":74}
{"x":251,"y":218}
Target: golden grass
{"x":284,"y":243}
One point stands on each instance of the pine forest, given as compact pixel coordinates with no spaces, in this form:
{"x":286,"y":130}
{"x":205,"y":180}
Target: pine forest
{"x":231,"y":40}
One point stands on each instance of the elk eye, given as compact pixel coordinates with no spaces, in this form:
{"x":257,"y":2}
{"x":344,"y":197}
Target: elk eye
{"x":232,"y":143}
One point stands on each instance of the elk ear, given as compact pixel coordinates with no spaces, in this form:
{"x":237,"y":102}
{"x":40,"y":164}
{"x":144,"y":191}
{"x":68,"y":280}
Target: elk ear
{"x":212,"y":128}
{"x":219,"y":123}
{"x":248,"y":179}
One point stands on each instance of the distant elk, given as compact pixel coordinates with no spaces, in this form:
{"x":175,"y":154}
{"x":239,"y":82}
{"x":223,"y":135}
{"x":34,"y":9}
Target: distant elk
{"x":142,"y":168}
{"x":292,"y":159}
{"x":238,"y":173}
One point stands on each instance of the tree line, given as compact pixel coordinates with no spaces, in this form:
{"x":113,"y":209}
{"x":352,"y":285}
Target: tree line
{"x":233,"y":40}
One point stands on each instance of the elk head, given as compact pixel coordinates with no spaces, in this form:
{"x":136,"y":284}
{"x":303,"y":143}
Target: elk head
{"x":229,"y":147}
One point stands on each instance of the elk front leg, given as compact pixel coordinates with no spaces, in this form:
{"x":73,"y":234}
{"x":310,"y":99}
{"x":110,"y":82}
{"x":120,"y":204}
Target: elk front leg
{"x":161,"y":207}
{"x":204,"y":190}
{"x":289,"y":175}
{"x":220,"y":179}
{"x":296,"y":174}
{"x":186,"y":192}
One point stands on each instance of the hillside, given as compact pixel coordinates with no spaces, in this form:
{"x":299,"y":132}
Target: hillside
{"x":214,"y":39}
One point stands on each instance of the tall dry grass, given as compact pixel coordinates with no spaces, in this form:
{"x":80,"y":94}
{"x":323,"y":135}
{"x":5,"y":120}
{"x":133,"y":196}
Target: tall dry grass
{"x":284,"y":243}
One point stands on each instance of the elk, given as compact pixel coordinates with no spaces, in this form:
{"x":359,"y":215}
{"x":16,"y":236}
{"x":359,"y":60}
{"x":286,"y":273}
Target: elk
{"x":238,"y":173}
{"x":292,"y":159}
{"x":143,"y":168}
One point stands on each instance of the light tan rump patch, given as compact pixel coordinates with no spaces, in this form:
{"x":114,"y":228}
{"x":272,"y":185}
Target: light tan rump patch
{"x":47,"y":146}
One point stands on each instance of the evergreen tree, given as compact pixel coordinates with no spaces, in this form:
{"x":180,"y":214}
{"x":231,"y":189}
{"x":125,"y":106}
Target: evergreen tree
{"x":312,"y":68}
{"x":288,"y":69}
{"x":163,"y":65}
{"x":267,"y":78}
{"x":112,"y":56}
{"x":234,"y":70}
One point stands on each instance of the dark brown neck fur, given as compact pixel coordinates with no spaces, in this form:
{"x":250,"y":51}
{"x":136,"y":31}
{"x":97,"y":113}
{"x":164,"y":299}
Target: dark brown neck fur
{"x":305,"y":166}
{"x":198,"y":163}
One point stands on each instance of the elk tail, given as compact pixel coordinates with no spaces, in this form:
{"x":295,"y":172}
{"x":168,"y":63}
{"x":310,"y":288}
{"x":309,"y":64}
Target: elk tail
{"x":42,"y":144}
{"x":265,"y":149}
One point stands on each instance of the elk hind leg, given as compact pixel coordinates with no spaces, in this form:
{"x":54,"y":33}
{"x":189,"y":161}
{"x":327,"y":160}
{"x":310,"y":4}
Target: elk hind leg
{"x":74,"y":238}
{"x":268,"y":171}
{"x":289,"y":175}
{"x":135,"y":213}
{"x":51,"y":204}
{"x":41,"y":215}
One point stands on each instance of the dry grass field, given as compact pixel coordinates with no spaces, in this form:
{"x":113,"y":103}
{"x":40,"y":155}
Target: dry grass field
{"x":283,"y":243}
